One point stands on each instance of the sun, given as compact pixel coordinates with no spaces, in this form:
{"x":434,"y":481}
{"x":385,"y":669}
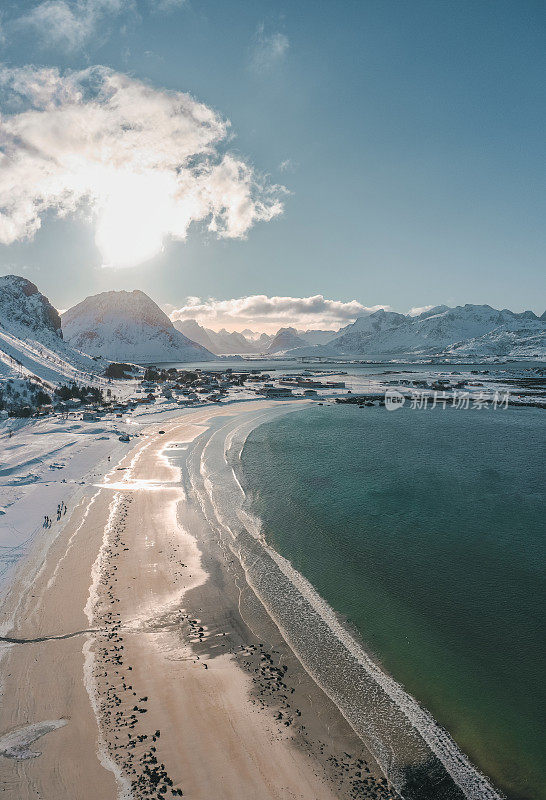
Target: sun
{"x":134,"y":217}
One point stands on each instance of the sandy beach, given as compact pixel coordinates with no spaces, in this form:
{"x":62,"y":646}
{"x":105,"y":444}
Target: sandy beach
{"x":142,"y":664}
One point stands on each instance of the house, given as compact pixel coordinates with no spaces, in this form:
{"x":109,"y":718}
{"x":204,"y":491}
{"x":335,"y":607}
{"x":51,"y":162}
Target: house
{"x":276,"y":391}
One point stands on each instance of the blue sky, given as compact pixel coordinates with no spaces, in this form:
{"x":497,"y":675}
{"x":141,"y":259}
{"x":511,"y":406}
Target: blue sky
{"x":410,"y":137}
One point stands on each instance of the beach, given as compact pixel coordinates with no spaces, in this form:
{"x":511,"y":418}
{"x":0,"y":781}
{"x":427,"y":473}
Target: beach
{"x":142,"y":664}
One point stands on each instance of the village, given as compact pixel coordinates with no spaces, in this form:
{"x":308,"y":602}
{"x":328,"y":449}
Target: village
{"x":127,"y":389}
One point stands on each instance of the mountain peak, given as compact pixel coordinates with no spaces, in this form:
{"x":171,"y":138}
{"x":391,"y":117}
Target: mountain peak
{"x":285,"y":339}
{"x":128,"y":326}
{"x":22,"y":305}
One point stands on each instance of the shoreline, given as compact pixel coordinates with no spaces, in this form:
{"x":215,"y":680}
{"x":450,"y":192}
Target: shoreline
{"x":161,"y":716}
{"x":187,"y":679}
{"x":420,"y":758}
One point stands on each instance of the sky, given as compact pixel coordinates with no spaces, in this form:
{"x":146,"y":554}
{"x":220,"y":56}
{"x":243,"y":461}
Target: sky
{"x":290,"y":163}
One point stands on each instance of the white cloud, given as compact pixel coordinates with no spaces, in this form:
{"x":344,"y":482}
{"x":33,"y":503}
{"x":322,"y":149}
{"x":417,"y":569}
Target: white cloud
{"x":416,"y":310}
{"x":143,"y":162}
{"x":69,"y":24}
{"x":268,"y":50}
{"x":287,"y":165}
{"x":269,"y":313}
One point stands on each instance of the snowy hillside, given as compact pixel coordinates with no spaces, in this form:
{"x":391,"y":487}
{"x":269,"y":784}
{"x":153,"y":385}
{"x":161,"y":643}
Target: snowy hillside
{"x":31,"y":342}
{"x":128,"y":326}
{"x":462,"y":331}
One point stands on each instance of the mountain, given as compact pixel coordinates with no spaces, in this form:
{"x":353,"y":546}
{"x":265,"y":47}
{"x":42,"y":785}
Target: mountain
{"x":285,"y":339}
{"x":263,"y":341}
{"x":221,"y":342}
{"x":31,"y":340}
{"x":195,"y":332}
{"x":465,"y":330}
{"x":366,"y":329}
{"x":23,"y":307}
{"x":232,"y":343}
{"x":317,"y":336}
{"x":516,"y":340}
{"x":251,"y":335}
{"x":128,"y":326}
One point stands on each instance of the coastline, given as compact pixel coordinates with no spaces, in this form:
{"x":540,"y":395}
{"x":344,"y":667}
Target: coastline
{"x":126,"y":577}
{"x":179,"y":594}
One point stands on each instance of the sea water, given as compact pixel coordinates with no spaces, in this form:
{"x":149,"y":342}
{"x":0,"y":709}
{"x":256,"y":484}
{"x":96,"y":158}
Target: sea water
{"x":425,"y":529}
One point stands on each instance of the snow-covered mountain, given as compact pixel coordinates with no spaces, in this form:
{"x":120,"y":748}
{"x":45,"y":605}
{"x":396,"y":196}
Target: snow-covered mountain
{"x":128,"y":326}
{"x":194,"y":332}
{"x":285,"y":339}
{"x":248,"y":342}
{"x":233,"y":342}
{"x":221,"y":342}
{"x":31,"y":340}
{"x":517,"y":340}
{"x":480,"y":331}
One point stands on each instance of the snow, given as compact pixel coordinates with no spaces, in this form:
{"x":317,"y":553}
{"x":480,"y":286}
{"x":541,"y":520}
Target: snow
{"x":464,"y":330}
{"x":31,"y":343}
{"x":44,"y":462}
{"x":128,"y":326}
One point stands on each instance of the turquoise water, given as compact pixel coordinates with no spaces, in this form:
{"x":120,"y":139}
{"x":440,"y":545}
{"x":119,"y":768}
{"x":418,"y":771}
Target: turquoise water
{"x":426,"y":530}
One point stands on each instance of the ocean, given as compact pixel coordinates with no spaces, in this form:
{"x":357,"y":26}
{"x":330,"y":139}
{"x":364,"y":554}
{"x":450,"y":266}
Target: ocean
{"x":424,"y":530}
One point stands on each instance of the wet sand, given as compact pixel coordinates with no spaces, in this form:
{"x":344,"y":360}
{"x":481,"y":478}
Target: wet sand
{"x":172,"y":680}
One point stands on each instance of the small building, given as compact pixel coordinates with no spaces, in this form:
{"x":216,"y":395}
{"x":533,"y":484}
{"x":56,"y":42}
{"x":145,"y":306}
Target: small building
{"x":277,"y":391}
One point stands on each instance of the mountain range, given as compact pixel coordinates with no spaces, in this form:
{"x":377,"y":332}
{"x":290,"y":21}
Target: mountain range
{"x":249,"y":342}
{"x":223,"y":342}
{"x":36,"y":341}
{"x":466,"y":331}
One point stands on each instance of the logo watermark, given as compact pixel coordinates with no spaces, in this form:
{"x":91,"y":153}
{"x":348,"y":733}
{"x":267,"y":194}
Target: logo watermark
{"x":394,"y":399}
{"x":424,"y":400}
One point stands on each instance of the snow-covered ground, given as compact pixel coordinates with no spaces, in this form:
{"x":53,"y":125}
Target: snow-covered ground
{"x":27,"y":358}
{"x":53,"y":460}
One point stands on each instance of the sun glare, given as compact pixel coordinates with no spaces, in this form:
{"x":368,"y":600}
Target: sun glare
{"x":134,"y":218}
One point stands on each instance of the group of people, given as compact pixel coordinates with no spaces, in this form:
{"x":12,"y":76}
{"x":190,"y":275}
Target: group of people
{"x":61,"y":511}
